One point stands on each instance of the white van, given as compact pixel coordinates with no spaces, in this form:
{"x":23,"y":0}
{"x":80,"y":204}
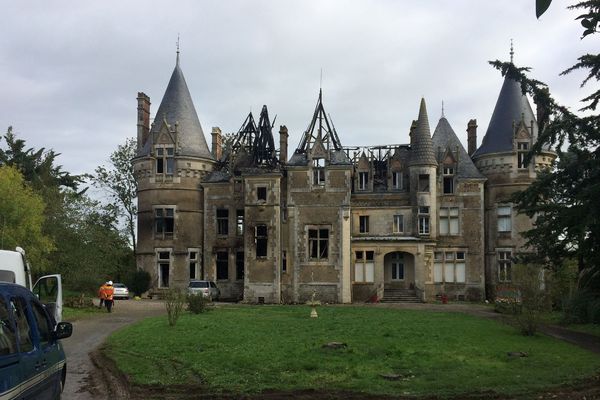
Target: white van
{"x":14,"y":268}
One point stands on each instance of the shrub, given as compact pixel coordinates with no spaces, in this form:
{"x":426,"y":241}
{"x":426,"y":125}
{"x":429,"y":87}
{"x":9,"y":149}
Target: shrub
{"x":139,"y":282}
{"x":534,"y":297}
{"x":583,"y":307}
{"x":197,"y":303}
{"x":80,"y":301}
{"x":174,"y":301}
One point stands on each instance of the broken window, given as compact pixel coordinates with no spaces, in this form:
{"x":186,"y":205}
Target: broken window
{"x":363,"y":181}
{"x":423,"y":183}
{"x":261,"y":239}
{"x":363,"y":224}
{"x":222,"y":265}
{"x":522,"y":149}
{"x":165,"y":161}
{"x":398,"y":223}
{"x":397,"y":181}
{"x":222,"y":222}
{"x":318,"y":243}
{"x":239,"y":222}
{"x":164,"y":222}
{"x":319,"y":171}
{"x":448,"y":180}
{"x":193,"y":264}
{"x":261,"y":193}
{"x":239,"y":265}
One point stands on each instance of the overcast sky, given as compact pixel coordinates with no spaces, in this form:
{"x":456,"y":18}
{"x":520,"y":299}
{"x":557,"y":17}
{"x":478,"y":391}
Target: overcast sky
{"x":70,"y":70}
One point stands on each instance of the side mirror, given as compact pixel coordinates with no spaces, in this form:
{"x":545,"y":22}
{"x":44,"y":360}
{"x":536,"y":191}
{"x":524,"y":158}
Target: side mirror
{"x":63,"y":330}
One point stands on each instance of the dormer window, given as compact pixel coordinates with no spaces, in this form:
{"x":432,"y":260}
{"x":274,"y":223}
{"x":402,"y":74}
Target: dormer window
{"x":448,"y":179}
{"x":165,"y":161}
{"x":397,"y":181}
{"x":363,"y":181}
{"x":319,"y":171}
{"x":522,"y":150}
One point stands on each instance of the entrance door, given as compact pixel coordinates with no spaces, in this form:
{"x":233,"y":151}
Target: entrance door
{"x":397,"y":267}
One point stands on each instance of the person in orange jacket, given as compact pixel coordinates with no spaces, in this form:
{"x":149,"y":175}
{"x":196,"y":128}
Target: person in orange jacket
{"x":101,"y":294}
{"x":109,"y":292}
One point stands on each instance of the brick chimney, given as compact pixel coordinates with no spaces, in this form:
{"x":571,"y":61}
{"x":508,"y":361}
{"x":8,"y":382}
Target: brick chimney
{"x":143,"y":119}
{"x":472,"y":136}
{"x":217,"y":140}
{"x":283,"y":143}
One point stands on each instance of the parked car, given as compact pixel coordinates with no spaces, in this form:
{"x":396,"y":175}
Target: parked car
{"x":121,"y":291}
{"x":208,"y":289}
{"x":32,"y":359}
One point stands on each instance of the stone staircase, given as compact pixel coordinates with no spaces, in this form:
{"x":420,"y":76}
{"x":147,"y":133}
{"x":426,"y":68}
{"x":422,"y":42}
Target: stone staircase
{"x":400,"y":296}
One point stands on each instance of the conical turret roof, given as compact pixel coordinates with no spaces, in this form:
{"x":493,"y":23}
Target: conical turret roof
{"x":421,"y":148}
{"x":445,"y":138}
{"x":177,"y":107}
{"x":512,"y":107}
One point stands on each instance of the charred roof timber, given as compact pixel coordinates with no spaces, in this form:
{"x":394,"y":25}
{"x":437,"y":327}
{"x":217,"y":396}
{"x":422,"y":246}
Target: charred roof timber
{"x":320,"y":129}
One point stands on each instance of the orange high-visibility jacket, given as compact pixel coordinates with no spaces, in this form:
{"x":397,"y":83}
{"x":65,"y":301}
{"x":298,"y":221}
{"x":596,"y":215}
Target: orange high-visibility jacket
{"x":101,"y":292}
{"x":109,"y":291}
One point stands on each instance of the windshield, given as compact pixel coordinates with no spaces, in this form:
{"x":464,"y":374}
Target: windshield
{"x":119,"y":285}
{"x":200,"y":284}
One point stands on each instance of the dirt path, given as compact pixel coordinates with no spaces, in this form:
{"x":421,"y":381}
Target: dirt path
{"x":83,"y":379}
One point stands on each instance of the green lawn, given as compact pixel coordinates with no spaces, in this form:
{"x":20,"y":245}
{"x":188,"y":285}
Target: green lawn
{"x":72,"y":314}
{"x":245,"y":349}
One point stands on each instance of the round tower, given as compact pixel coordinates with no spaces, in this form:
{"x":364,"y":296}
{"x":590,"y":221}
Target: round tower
{"x":172,"y":160}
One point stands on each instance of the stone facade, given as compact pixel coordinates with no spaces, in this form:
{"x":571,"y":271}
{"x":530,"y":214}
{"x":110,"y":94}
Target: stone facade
{"x":348,"y":224}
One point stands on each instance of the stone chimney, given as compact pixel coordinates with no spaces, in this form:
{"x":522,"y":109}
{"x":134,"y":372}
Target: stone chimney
{"x":143,"y":119}
{"x":283,"y":143}
{"x":472,"y":136}
{"x":217,"y":140}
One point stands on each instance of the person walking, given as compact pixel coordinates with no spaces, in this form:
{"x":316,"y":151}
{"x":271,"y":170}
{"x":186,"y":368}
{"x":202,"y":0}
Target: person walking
{"x":109,"y":292}
{"x":101,"y":294}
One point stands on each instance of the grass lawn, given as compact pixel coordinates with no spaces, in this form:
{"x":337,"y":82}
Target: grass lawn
{"x":72,"y":314}
{"x":244,"y":349}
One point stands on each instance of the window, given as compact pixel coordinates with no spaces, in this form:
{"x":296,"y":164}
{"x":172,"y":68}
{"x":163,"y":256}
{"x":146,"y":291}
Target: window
{"x":193,"y":264}
{"x":318,"y":244}
{"x":423,"y":183}
{"x":363,"y":223}
{"x":364,"y":266}
{"x":423,"y":220}
{"x":239,"y":265}
{"x":164,"y":222}
{"x":363,"y":181}
{"x":397,"y":267}
{"x":239,"y":222}
{"x":504,"y":266}
{"x":42,"y":323}
{"x":261,"y":239}
{"x":504,"y":219}
{"x":449,"y":221}
{"x":222,"y":222}
{"x":8,"y":336}
{"x":19,"y":308}
{"x":165,"y":163}
{"x":397,"y":180}
{"x":261,"y":193}
{"x":398,"y":223}
{"x":448,"y":178}
{"x":522,"y":149}
{"x":284,"y":261}
{"x":222,"y":265}
{"x":449,"y":267}
{"x":164,"y":266}
{"x":319,"y":171}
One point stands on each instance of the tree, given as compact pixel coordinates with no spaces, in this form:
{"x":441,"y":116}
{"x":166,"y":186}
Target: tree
{"x":564,"y":201}
{"x":119,"y":181}
{"x":22,"y":217}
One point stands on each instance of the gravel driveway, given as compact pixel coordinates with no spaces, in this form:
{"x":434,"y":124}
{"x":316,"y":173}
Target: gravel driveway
{"x":88,"y":334}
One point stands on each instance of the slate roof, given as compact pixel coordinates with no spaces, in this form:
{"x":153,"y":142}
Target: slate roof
{"x":512,"y":106}
{"x":445,"y":138}
{"x":421,"y":148}
{"x":177,"y":106}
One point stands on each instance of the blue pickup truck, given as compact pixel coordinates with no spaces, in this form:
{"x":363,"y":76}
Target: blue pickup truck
{"x":32,"y":359}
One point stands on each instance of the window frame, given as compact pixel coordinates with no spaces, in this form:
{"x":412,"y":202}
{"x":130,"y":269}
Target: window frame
{"x":162,"y":261}
{"x":318,"y":244}
{"x":522,"y":150}
{"x":398,"y":223}
{"x":424,"y":221}
{"x":222,"y":221}
{"x":222,"y":264}
{"x":449,"y":260}
{"x":446,"y":214}
{"x":397,"y":180}
{"x":506,"y":218}
{"x":448,"y":173}
{"x":259,"y":239}
{"x":161,"y":222}
{"x":364,"y":266}
{"x":318,"y":172}
{"x":165,"y":160}
{"x":363,"y":224}
{"x":504,"y":265}
{"x":363,"y":181}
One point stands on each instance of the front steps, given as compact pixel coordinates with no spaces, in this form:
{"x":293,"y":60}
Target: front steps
{"x":400,"y":296}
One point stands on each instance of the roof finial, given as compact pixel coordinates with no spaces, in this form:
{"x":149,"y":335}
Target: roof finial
{"x":512,"y":52}
{"x":177,"y":61}
{"x":443,"y":116}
